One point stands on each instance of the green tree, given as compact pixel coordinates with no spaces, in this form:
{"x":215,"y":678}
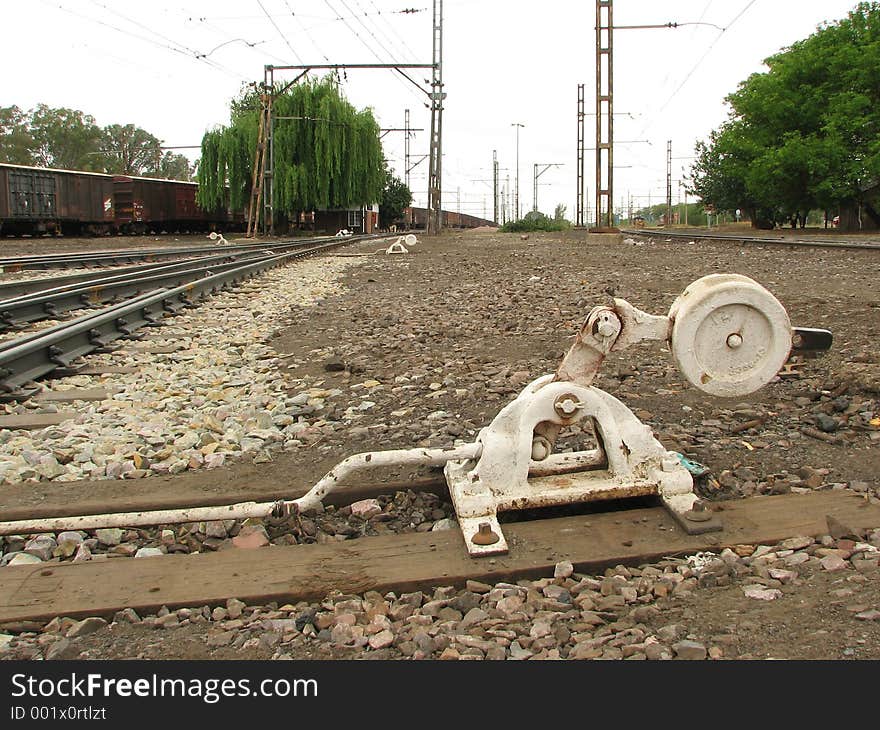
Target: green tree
{"x":394,"y":198}
{"x":16,"y":143}
{"x":66,"y":138}
{"x":175,"y":167}
{"x":327,"y":154}
{"x":805,"y":133}
{"x":535,"y":220}
{"x":130,"y":150}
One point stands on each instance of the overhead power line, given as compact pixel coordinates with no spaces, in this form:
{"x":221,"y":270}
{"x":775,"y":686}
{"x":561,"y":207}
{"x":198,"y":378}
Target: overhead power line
{"x":275,"y":25}
{"x":168,"y":44}
{"x":308,"y":35}
{"x":708,"y":50}
{"x":699,"y":62}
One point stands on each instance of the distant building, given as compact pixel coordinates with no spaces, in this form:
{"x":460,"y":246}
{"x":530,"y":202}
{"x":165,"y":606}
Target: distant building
{"x":364,"y":219}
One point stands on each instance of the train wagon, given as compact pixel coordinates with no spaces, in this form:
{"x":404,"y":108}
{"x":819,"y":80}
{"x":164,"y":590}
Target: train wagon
{"x":146,"y":204}
{"x":418,"y":217}
{"x":36,"y":200}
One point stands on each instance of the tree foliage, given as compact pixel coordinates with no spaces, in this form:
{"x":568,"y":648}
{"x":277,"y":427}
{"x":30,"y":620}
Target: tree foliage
{"x":70,"y":139}
{"x":65,"y":138}
{"x":327,"y":154}
{"x":535,"y":220}
{"x":16,"y":143}
{"x":130,"y":150}
{"x":394,"y":199}
{"x":805,"y":133}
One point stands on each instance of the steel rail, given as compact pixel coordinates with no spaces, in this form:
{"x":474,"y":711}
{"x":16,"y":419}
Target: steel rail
{"x":780,"y":241}
{"x":16,"y":312}
{"x":16,"y":289}
{"x":28,"y":287}
{"x":36,"y":356}
{"x":49,"y":261}
{"x":31,"y":336}
{"x":102,"y":276}
{"x":27,"y":359}
{"x":109,"y":287}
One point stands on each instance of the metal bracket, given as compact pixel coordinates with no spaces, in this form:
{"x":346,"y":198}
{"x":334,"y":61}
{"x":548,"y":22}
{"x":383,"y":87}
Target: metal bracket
{"x":628,"y":462}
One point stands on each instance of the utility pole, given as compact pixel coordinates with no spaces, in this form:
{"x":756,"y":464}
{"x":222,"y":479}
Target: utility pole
{"x":406,"y":149}
{"x":517,"y":211}
{"x":604,"y":115}
{"x":683,"y":184}
{"x":434,"y":222}
{"x":269,"y":172}
{"x":579,"y":203}
{"x":546,"y":166}
{"x":495,"y":186}
{"x":669,"y":182}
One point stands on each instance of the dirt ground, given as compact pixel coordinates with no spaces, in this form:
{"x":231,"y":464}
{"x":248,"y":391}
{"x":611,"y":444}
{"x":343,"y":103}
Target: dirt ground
{"x":486,"y":312}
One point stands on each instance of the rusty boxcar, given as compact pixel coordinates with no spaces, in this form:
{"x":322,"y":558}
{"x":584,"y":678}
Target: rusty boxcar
{"x":148,"y":204}
{"x":37,"y":200}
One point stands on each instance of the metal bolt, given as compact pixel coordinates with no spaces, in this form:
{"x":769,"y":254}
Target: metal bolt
{"x":485,"y":535}
{"x":567,"y":405}
{"x":698,"y":512}
{"x":607,"y":329}
{"x":734,"y":340}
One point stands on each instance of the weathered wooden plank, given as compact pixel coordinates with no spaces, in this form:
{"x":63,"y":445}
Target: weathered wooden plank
{"x":106,"y":370}
{"x":68,"y":396}
{"x":31,"y":421}
{"x":404,"y":562}
{"x":141,"y":496}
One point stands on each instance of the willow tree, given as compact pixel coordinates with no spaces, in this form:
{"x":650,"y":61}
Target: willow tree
{"x":327,"y":153}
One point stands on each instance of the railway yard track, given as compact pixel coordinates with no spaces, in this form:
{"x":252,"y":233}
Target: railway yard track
{"x":252,"y":397}
{"x":766,"y":239}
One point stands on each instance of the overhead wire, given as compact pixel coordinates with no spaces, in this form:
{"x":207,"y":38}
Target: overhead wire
{"x":382,"y":45}
{"x":275,"y":25}
{"x":308,"y":35}
{"x":699,"y":62}
{"x":368,"y":47}
{"x":169,"y":43}
{"x":394,"y":30}
{"x":377,"y":29}
{"x":263,"y":53}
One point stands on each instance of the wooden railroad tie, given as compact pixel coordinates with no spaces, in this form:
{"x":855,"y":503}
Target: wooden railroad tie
{"x":406,"y":562}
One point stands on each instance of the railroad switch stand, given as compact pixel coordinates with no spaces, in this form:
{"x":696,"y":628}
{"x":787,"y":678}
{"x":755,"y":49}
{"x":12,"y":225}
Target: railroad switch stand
{"x":728,"y":335}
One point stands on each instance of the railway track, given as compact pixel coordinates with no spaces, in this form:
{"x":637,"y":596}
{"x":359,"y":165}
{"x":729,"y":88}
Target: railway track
{"x":768,"y":240}
{"x":127,"y":256}
{"x":46,"y":300}
{"x":148,"y":301}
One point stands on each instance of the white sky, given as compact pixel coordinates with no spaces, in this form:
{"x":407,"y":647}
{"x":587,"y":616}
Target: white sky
{"x":135,"y":61}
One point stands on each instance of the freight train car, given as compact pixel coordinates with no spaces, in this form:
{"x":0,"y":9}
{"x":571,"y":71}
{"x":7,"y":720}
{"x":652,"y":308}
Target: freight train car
{"x":145,"y":204}
{"x":42,"y":200}
{"x":418,"y":217}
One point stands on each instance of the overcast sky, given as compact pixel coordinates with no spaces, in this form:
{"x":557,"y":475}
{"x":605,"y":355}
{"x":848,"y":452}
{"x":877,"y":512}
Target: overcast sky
{"x":172,"y":67}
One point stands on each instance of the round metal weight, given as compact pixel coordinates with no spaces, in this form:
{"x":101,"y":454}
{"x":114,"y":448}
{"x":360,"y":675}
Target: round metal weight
{"x":730,"y":336}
